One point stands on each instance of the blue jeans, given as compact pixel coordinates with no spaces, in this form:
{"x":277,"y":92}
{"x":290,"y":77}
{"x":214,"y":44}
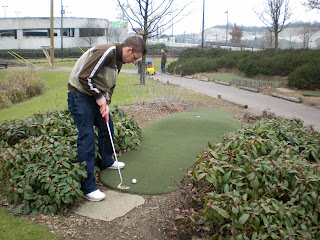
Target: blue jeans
{"x":86,"y":114}
{"x":163,"y":68}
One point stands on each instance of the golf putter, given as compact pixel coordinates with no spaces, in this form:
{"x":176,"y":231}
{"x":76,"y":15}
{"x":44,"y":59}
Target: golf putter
{"x":115,"y":154}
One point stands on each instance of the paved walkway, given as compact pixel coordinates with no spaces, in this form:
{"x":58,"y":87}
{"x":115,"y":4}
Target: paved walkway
{"x":257,"y":103}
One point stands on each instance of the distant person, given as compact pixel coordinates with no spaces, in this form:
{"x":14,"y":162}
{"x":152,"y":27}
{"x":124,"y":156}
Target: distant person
{"x":90,"y":88}
{"x":139,"y":65}
{"x":163,"y":61}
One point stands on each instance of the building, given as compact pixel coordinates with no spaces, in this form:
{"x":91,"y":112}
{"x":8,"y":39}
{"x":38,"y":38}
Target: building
{"x":34,"y":33}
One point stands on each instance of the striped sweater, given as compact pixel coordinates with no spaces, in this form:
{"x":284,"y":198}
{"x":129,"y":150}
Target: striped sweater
{"x":96,"y":71}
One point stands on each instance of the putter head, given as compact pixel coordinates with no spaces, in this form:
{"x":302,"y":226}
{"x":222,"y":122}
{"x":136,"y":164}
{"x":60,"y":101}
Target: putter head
{"x":122,"y":187}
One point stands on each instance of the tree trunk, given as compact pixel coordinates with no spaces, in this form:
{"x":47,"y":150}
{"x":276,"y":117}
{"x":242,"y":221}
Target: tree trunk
{"x":143,"y":71}
{"x":276,"y":43}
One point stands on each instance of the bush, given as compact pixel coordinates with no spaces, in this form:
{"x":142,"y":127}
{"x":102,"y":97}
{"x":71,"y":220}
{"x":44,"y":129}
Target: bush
{"x":265,"y":62}
{"x":42,"y":175}
{"x":21,"y":86}
{"x":4,"y":101}
{"x":261,"y":182}
{"x":250,"y":66}
{"x":305,"y":77}
{"x":38,"y":159}
{"x":127,"y":133}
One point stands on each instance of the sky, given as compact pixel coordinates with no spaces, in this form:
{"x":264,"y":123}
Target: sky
{"x":241,"y":12}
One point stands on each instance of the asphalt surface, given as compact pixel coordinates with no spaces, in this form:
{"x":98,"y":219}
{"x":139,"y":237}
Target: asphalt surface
{"x":256,"y":102}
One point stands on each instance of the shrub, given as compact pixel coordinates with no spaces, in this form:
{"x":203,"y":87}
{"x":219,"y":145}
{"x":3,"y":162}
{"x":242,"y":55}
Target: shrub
{"x":42,"y":175}
{"x":20,"y":86}
{"x":305,"y":77}
{"x":251,"y":63}
{"x":250,"y":66}
{"x":4,"y":101}
{"x":127,"y":133}
{"x":261,"y":182}
{"x":38,"y":159}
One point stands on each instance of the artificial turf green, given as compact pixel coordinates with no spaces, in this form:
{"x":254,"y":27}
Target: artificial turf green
{"x":170,"y":145}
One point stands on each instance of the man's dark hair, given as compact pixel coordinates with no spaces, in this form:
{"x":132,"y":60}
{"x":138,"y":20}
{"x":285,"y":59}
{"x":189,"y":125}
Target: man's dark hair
{"x":137,"y":44}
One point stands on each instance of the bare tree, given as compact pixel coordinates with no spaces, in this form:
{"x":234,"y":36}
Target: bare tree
{"x":115,"y":34}
{"x":275,"y":16}
{"x":312,"y":4}
{"x":146,"y":17}
{"x":236,"y":34}
{"x":305,"y":33}
{"x":91,"y":32}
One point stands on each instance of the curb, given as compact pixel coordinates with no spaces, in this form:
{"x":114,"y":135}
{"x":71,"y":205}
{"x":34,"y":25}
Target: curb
{"x":286,"y":98}
{"x":223,"y":83}
{"x":249,"y":89}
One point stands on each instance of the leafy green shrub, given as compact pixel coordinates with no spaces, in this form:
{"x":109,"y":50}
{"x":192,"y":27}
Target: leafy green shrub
{"x":265,"y":62}
{"x":261,"y":182}
{"x":305,"y":77}
{"x":42,"y":175}
{"x":250,"y":66}
{"x":127,"y":133}
{"x":38,"y":159}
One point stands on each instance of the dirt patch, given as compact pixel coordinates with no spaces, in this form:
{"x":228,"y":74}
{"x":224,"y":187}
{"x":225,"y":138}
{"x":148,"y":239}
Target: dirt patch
{"x":152,"y":220}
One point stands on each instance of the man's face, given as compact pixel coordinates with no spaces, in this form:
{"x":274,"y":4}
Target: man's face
{"x":129,"y":56}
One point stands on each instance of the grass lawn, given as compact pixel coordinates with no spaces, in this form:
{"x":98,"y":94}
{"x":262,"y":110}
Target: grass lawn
{"x":241,"y":80}
{"x":227,"y":77}
{"x":311,"y":93}
{"x":15,"y":228}
{"x":67,"y":62}
{"x":128,"y":91}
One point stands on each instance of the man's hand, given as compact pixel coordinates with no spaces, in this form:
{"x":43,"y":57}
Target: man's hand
{"x":104,"y":108}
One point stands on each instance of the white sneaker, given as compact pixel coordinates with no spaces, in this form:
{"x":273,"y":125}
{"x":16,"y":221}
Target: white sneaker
{"x":95,"y":196}
{"x":115,"y":165}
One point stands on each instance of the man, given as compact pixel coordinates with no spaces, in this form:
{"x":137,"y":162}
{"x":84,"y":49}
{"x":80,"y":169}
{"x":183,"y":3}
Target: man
{"x":163,"y":61}
{"x":90,"y":88}
{"x":138,"y":65}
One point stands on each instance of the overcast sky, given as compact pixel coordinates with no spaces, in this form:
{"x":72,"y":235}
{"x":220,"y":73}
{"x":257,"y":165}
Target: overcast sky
{"x":240,"y":12}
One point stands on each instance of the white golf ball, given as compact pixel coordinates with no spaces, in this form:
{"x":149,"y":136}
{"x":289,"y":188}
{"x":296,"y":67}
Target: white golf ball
{"x":134,"y":180}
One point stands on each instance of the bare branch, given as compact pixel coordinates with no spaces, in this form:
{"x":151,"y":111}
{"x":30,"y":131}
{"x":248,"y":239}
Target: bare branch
{"x":275,"y":16}
{"x":312,"y":4}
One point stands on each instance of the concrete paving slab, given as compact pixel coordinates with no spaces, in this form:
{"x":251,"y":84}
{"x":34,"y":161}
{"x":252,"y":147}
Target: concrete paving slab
{"x":116,"y":204}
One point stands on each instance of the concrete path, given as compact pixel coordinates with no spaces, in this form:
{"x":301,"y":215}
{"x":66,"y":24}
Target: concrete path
{"x":257,"y":103}
{"x":116,"y":204}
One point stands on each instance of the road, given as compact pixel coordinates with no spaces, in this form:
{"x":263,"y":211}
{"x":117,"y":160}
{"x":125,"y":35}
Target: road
{"x":256,"y":102}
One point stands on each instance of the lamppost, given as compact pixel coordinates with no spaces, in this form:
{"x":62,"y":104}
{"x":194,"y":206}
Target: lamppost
{"x":202,"y":38}
{"x":216,"y":35}
{"x":5,"y":11}
{"x":227,"y":28}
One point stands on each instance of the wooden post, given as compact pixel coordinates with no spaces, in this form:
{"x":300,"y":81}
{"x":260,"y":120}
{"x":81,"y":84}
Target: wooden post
{"x":52,"y":36}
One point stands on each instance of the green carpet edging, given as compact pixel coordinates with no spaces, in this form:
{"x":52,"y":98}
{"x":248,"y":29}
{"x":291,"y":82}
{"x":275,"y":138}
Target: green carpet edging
{"x":170,"y":145}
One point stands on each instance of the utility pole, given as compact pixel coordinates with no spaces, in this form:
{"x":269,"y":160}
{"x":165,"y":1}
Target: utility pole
{"x":51,"y":36}
{"x":61,"y":30}
{"x":227,"y":27}
{"x":202,"y":38}
{"x":5,"y":11}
